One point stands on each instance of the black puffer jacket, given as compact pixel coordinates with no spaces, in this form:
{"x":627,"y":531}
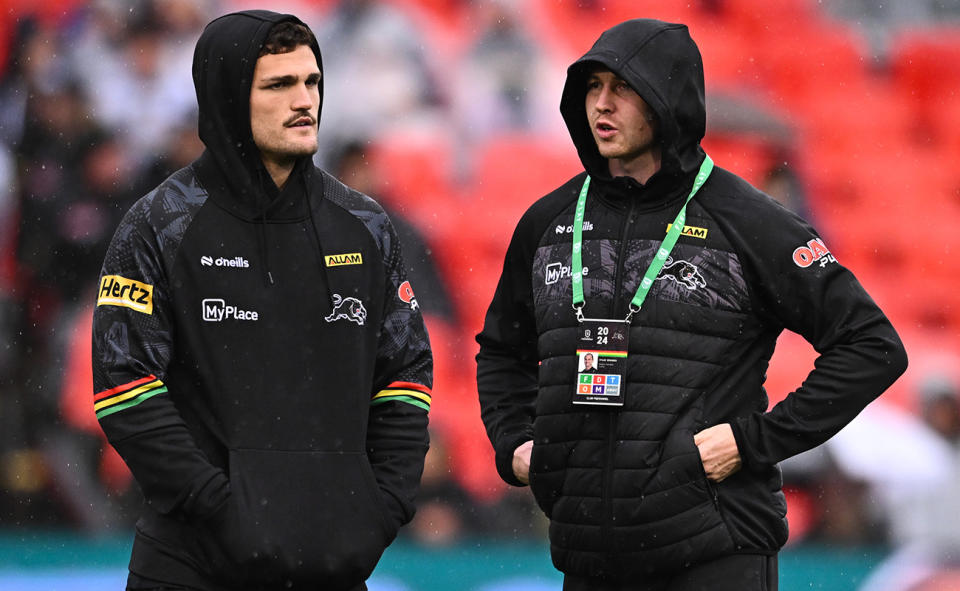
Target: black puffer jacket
{"x":624,"y":487}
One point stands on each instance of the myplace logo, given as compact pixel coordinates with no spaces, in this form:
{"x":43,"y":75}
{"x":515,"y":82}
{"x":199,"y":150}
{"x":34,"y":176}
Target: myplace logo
{"x":217,"y":310}
{"x":557,"y":271}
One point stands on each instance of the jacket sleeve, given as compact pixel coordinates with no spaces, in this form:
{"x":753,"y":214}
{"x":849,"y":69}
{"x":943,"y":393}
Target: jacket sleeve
{"x":132,"y":347}
{"x":397,"y":438}
{"x":801,"y":285}
{"x":507,"y":361}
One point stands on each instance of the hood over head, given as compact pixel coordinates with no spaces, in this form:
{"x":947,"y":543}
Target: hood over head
{"x":223,"y":65}
{"x":661,"y":62}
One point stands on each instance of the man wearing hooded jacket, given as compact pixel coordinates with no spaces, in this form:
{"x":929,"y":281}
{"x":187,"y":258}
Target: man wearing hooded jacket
{"x":259,"y":358}
{"x":660,"y":472}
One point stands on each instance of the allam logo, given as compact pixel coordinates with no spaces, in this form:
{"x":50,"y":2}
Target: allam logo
{"x":217,"y":310}
{"x":338,"y":260}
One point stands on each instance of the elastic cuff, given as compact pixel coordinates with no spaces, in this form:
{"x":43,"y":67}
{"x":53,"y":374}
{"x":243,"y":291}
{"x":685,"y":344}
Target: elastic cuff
{"x":505,"y":459}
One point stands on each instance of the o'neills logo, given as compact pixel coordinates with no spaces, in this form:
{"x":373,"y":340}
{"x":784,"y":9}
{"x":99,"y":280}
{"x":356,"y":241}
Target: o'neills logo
{"x":236,"y":262}
{"x":128,"y":293}
{"x":336,"y":260}
{"x":814,"y":251}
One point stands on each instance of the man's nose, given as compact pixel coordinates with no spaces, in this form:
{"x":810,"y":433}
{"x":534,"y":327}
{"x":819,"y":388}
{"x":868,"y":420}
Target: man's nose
{"x":604,"y":99}
{"x":302,"y":99}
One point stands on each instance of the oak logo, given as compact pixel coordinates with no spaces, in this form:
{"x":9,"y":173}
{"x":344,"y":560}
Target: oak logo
{"x":405,"y":292}
{"x":217,"y":310}
{"x":814,"y":251}
{"x":127,"y":293}
{"x":337,"y":260}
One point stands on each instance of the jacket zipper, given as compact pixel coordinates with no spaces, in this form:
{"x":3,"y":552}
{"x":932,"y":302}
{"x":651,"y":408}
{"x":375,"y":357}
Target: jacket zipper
{"x":606,"y":492}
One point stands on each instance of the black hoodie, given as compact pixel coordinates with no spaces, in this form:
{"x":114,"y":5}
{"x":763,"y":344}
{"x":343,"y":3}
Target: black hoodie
{"x":259,"y":358}
{"x":624,"y":486}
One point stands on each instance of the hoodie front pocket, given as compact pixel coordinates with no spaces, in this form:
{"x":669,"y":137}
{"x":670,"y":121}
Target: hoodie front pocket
{"x":303,"y":517}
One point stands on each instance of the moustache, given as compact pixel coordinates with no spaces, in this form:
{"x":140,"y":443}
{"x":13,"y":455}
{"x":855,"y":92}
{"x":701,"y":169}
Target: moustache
{"x":298,"y":117}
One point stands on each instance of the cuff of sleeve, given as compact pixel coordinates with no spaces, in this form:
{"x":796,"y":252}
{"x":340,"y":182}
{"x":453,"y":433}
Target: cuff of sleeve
{"x":211,"y":498}
{"x":505,"y":458}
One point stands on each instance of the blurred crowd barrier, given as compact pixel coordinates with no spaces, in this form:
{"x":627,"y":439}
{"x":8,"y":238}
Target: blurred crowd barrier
{"x":446,"y":111}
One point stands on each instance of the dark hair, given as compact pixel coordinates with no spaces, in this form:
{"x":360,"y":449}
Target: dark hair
{"x":287,"y":36}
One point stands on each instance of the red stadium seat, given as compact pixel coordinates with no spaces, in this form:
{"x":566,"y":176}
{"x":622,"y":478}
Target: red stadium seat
{"x":925,"y":65}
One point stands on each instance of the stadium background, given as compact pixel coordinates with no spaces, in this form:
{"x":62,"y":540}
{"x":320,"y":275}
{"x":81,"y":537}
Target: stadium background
{"x":447,"y":111}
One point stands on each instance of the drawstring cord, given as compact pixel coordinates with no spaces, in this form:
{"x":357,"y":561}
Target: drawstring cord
{"x":262,"y":230}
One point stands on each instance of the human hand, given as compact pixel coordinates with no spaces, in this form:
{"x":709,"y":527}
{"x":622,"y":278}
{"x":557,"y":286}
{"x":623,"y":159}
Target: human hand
{"x":521,"y":461}
{"x":718,"y":451}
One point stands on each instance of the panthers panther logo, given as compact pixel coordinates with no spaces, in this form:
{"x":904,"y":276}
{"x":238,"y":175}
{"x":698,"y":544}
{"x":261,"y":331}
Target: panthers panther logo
{"x":347,"y":309}
{"x":683,"y":272}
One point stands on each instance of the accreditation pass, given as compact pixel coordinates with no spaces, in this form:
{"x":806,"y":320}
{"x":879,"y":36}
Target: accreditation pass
{"x":601,"y":360}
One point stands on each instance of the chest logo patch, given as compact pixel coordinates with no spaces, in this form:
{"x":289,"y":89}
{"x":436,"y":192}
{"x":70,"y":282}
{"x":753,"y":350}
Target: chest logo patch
{"x":338,"y":260}
{"x":350,"y":309}
{"x":127,"y":293}
{"x":683,"y":272}
{"x":692,"y":231}
{"x":815,"y":251}
{"x":405,"y":293}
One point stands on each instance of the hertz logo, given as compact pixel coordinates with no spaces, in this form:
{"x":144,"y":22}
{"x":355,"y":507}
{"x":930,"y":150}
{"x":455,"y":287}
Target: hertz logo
{"x":337,"y":260}
{"x":128,"y":293}
{"x":692,"y":231}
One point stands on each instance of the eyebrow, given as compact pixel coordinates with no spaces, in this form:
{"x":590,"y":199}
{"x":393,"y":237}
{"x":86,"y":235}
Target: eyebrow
{"x":290,"y":78}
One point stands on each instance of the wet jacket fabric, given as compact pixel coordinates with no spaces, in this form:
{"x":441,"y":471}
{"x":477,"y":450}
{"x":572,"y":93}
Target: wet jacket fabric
{"x":624,"y":487}
{"x":260,"y":361}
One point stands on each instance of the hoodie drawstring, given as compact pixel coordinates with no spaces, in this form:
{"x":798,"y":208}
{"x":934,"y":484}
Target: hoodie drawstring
{"x":264,"y":251}
{"x":262,"y":230}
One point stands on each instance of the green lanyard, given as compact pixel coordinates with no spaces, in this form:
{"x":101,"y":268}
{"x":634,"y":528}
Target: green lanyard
{"x":658,"y":261}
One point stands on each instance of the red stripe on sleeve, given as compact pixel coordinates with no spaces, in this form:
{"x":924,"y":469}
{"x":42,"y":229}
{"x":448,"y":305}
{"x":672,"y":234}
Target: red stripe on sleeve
{"x":409,"y":386}
{"x":124,"y":387}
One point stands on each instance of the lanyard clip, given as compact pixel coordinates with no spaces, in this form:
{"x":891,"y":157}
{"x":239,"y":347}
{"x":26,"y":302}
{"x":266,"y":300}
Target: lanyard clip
{"x":633,"y":310}
{"x":578,"y":309}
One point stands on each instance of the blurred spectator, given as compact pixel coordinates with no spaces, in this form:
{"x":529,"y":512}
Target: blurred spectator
{"x":784,"y":184}
{"x":182,"y":146}
{"x":445,"y":512}
{"x":72,"y":204}
{"x":377,"y":73}
{"x":134,"y":63}
{"x":881,"y":21}
{"x":925,"y":513}
{"x":502,"y":82}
